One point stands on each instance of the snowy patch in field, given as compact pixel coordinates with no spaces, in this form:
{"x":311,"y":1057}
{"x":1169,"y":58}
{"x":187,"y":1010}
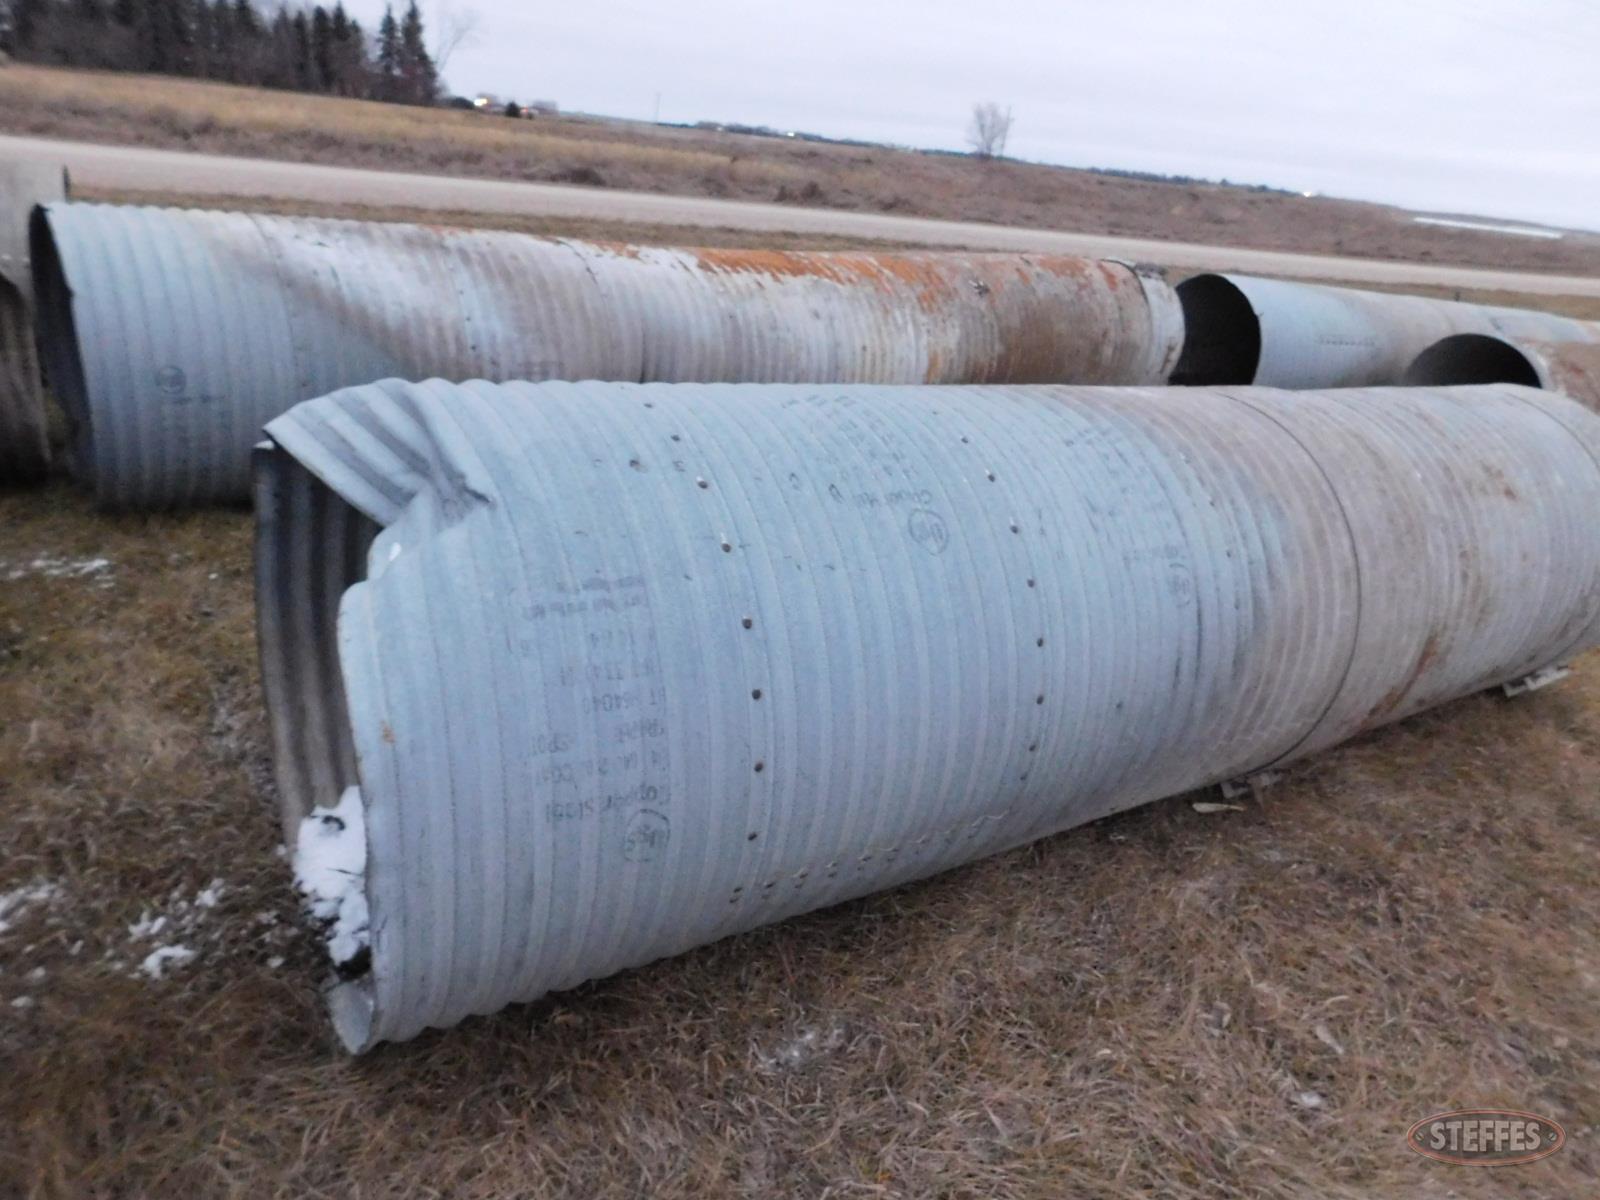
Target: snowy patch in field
{"x":802,"y":1048}
{"x":14,"y":903}
{"x":49,"y":566}
{"x":158,"y":960}
{"x":182,"y":922}
{"x":330,"y":869}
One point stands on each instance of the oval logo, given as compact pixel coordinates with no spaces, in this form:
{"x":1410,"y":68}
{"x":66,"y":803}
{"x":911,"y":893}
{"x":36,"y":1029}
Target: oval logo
{"x":1486,"y":1137}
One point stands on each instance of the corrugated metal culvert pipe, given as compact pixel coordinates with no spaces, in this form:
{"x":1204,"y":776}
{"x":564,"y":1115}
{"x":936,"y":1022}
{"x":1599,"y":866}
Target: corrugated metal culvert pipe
{"x":1570,"y":368}
{"x":567,"y":677}
{"x":177,"y":334}
{"x":1300,"y":335}
{"x":24,"y":432}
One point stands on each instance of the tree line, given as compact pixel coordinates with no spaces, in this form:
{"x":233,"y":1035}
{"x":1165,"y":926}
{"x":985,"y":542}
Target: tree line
{"x":305,"y":48}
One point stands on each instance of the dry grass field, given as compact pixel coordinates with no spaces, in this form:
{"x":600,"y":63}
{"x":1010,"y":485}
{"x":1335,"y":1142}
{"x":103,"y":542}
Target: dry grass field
{"x":188,"y":114}
{"x":1165,"y":1003}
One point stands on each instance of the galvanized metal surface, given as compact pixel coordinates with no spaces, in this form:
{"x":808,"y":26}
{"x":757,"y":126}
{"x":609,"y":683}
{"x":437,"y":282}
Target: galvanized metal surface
{"x":24,"y":445}
{"x":1299,"y":335}
{"x":1571,"y":368}
{"x":182,"y":332}
{"x":623,"y":669}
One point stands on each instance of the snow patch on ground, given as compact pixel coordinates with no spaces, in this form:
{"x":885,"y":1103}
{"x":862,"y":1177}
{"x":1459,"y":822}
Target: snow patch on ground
{"x":156,"y":962}
{"x":50,"y":566}
{"x":330,"y":869}
{"x":14,"y":903}
{"x":181,"y":923}
{"x":801,"y":1048}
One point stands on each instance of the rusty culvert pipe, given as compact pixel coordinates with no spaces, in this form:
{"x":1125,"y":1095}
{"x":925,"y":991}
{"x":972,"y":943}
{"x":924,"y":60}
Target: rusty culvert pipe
{"x":1572,"y":368}
{"x":24,"y":424}
{"x":564,"y":678}
{"x":1269,"y":332}
{"x":177,"y":334}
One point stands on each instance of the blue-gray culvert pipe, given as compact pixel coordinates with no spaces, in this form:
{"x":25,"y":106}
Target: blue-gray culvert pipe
{"x":175,"y":335}
{"x":1274,"y":333}
{"x":567,"y":677}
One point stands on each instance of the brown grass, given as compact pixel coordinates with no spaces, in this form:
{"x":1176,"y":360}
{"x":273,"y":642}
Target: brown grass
{"x":1141,"y":1007}
{"x":219,"y":118}
{"x":639,"y":234}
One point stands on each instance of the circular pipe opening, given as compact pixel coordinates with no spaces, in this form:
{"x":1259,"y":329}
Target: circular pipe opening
{"x":60,"y":356}
{"x":24,"y":419}
{"x":1471,"y":358}
{"x":311,"y":546}
{"x":1222,"y":334}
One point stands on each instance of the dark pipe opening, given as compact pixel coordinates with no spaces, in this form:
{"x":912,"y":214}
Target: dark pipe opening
{"x":57,"y":335}
{"x":24,"y":444}
{"x":1471,"y":358}
{"x":311,"y":546}
{"x":1222,"y":334}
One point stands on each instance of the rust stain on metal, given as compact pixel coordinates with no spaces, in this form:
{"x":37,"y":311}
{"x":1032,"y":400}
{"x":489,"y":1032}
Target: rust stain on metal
{"x":1396,"y":696}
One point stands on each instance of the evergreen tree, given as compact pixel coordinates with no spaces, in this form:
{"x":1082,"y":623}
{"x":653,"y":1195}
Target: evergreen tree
{"x":301,"y":51}
{"x":30,"y":20}
{"x":419,"y":81}
{"x":388,"y":56}
{"x":321,"y":50}
{"x":203,"y":37}
{"x":166,"y":36}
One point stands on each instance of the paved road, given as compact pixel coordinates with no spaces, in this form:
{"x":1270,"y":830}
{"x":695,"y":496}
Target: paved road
{"x":137,"y":168}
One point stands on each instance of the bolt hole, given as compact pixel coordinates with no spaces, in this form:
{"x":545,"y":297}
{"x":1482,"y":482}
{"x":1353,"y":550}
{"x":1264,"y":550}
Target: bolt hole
{"x":676,"y":438}
{"x":1039,"y":699}
{"x":1033,"y":583}
{"x":1015,"y":528}
{"x":636,"y":464}
{"x":727,"y":547}
{"x":747,"y":622}
{"x":1033,"y":748}
{"x":756,"y":695}
{"x":1038,"y":641}
{"x":701,"y":483}
{"x":990,"y":474}
{"x":752,"y":837}
{"x":760,"y":766}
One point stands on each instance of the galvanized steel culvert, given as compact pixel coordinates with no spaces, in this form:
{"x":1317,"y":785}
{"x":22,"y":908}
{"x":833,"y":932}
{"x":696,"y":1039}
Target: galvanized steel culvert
{"x":1275,"y":333}
{"x":24,"y":425}
{"x":575,"y":676}
{"x":177,"y":334}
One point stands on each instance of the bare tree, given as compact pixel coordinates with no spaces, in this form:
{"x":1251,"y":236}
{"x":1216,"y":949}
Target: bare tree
{"x":454,"y":26}
{"x":991,"y":126}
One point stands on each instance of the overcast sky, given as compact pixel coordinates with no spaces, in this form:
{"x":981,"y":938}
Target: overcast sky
{"x":1480,"y":106}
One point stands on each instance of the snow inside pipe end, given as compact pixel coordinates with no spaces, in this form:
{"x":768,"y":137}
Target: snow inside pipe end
{"x":564,"y":678}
